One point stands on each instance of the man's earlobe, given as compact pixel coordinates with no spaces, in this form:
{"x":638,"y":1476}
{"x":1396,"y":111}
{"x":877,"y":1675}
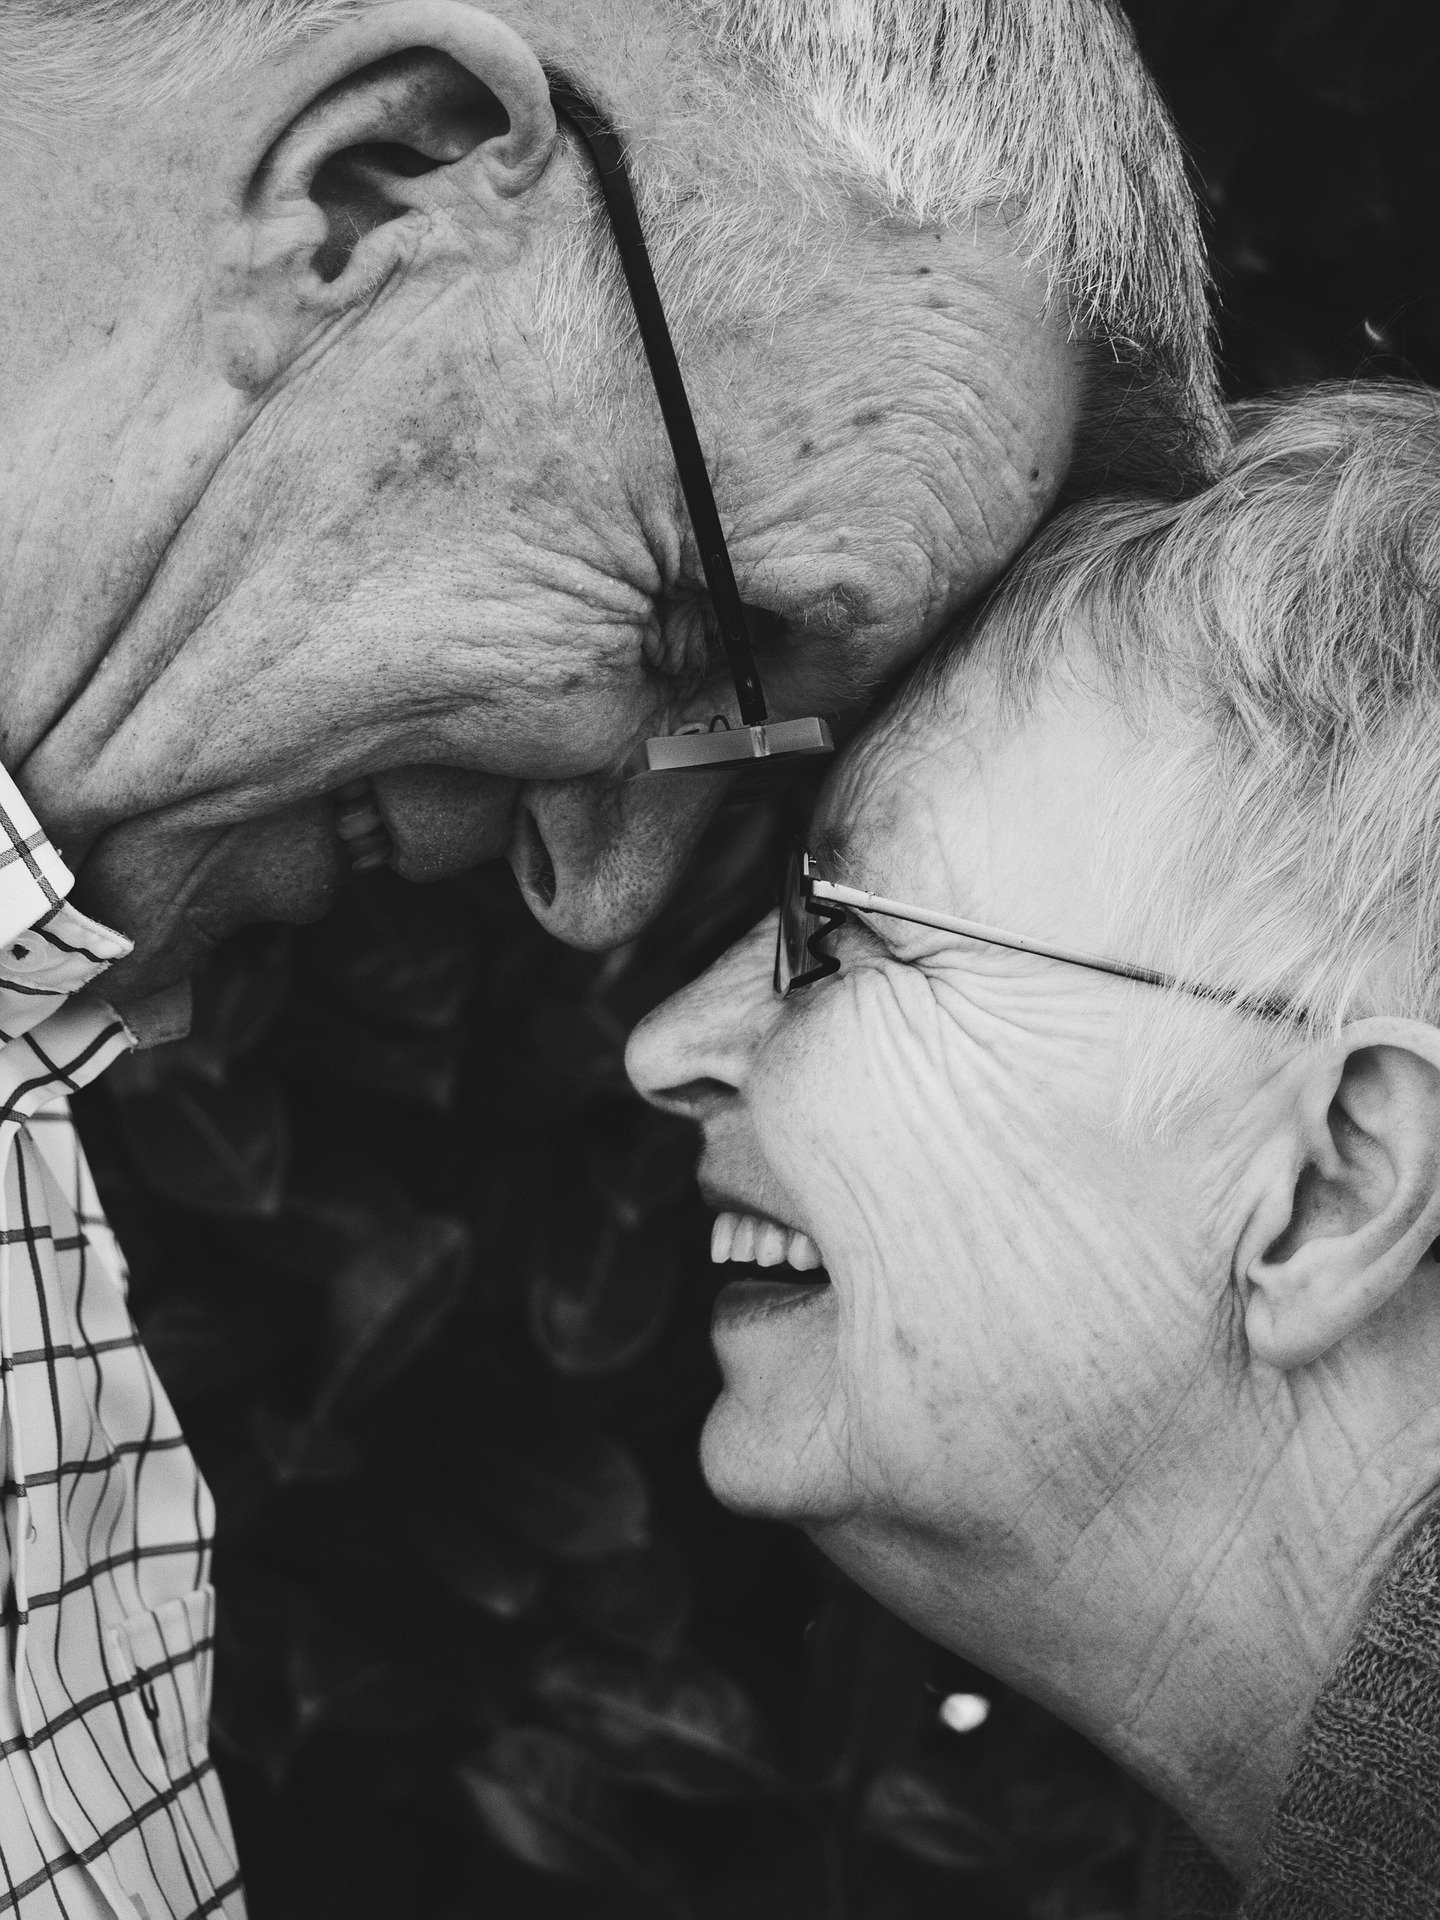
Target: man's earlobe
{"x":1350,"y":1201}
{"x":401,"y":108}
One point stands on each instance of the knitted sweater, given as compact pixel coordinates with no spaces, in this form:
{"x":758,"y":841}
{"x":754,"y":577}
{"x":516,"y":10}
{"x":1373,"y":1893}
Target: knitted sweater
{"x":1355,"y":1834}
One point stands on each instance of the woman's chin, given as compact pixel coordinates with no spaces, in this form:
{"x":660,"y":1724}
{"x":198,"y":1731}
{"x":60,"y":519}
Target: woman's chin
{"x":768,"y":1446}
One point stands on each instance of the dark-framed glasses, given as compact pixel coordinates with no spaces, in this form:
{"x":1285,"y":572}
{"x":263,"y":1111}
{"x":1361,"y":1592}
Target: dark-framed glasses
{"x":699,"y":748}
{"x":811,"y":908}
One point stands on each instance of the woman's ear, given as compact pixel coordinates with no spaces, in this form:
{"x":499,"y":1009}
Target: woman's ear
{"x":416,"y":103}
{"x":1350,"y":1206}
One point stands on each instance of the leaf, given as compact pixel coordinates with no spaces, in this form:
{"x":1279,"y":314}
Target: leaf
{"x":335,"y":1205}
{"x":260,"y":1617}
{"x":568,"y":1489}
{"x":387,"y":1305}
{"x":540,"y":1797}
{"x":471,"y":1559}
{"x":674,"y":1724}
{"x":253,"y":1715}
{"x":406,"y":958}
{"x":637,"y":1596}
{"x":341,"y":1680}
{"x":238,"y":998}
{"x":865,"y":1688}
{"x":1068,"y":1824}
{"x":301,"y":1449}
{"x":217,"y":1149}
{"x":416,"y":1066}
{"x":582,"y":1047}
{"x":916,"y":1813}
{"x":597,"y":1306}
{"x":1363,"y":59}
{"x":202,"y":1343}
{"x":640,"y":1165}
{"x":330,"y":1531}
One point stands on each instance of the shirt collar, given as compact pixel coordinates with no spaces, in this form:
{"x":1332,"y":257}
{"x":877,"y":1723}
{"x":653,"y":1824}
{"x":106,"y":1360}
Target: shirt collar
{"x":34,"y":880}
{"x":48,"y":949}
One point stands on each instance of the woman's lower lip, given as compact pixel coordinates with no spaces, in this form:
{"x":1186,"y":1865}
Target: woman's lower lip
{"x":757,"y":1299}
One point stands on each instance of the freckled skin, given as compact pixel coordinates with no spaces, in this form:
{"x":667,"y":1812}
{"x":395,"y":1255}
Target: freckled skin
{"x":1023,"y":1413}
{"x":230,"y":584}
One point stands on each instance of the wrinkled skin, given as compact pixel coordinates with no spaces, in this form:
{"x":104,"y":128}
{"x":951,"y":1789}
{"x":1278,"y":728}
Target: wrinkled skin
{"x":1135,"y":1422}
{"x":260,"y":536}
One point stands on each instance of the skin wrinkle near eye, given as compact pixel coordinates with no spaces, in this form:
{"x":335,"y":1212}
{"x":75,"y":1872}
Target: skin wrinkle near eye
{"x":439,"y":701}
{"x":181,"y":638}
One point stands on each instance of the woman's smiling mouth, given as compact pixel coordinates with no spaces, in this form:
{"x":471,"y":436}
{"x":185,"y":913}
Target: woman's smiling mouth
{"x":750,"y":1237}
{"x":752,"y":1240}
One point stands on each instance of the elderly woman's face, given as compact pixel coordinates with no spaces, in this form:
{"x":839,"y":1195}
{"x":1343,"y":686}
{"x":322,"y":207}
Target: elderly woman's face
{"x":1017,"y":1298}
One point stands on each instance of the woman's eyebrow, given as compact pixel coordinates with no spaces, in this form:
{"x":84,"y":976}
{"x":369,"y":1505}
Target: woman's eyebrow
{"x":828,"y":849}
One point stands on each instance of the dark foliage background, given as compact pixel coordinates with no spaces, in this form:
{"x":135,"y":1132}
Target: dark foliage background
{"x":431,"y":1291}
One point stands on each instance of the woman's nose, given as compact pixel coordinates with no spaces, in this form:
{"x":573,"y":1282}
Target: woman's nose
{"x":695,"y":1049}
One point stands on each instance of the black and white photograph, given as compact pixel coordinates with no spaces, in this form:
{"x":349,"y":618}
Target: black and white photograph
{"x":720,"y":959}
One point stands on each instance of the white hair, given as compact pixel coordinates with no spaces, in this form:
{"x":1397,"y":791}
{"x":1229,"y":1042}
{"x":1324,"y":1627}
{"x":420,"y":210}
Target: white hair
{"x":93,"y":55}
{"x":1276,"y":643}
{"x":1038,"y":113}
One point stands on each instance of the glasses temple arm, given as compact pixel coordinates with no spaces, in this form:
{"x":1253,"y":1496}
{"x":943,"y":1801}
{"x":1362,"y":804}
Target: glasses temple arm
{"x":608,"y":153}
{"x":1268,"y":1009}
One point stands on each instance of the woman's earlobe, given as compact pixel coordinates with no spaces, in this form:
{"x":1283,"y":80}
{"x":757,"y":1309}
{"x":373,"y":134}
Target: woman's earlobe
{"x":1352,"y":1203}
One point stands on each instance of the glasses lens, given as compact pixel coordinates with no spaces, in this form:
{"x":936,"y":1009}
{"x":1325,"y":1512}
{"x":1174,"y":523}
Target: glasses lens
{"x":790,"y":941}
{"x":797,"y":963}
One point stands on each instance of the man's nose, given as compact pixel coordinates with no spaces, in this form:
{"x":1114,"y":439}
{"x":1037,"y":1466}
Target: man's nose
{"x":694,"y":1052}
{"x":597,"y":858}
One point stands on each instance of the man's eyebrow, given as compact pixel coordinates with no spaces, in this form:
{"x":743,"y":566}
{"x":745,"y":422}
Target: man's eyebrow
{"x":832,"y":626}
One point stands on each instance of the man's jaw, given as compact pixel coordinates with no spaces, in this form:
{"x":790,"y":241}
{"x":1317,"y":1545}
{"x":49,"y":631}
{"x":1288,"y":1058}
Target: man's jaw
{"x":178,"y":885}
{"x":177,"y":891}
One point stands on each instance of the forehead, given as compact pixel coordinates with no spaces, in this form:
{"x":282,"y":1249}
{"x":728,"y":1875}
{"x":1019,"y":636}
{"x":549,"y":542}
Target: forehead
{"x":949,"y":802}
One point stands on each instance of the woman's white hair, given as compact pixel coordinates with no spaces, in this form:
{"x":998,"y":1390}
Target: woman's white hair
{"x":1276,"y":643}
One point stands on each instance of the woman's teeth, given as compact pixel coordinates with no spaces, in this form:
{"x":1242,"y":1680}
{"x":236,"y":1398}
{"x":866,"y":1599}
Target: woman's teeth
{"x":748,"y":1238}
{"x":359,"y":825}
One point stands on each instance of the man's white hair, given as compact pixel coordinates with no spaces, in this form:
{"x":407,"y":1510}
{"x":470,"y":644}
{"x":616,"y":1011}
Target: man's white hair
{"x":1276,"y":644}
{"x":1035,"y":112}
{"x":1041,"y":112}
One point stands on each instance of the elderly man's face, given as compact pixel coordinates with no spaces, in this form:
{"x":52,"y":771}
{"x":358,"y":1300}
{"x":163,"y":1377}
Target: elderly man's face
{"x":413,"y":552}
{"x":1022,"y":1307}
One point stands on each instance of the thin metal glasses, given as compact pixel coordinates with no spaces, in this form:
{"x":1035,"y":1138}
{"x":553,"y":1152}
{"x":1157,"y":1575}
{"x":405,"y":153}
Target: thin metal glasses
{"x":812,"y":908}
{"x":697,"y":748}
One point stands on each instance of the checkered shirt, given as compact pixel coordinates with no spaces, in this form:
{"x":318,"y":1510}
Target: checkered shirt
{"x":109,"y":1804}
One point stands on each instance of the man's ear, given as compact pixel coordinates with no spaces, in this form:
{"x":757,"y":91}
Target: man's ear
{"x":1350,"y":1199}
{"x":380,"y":121}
